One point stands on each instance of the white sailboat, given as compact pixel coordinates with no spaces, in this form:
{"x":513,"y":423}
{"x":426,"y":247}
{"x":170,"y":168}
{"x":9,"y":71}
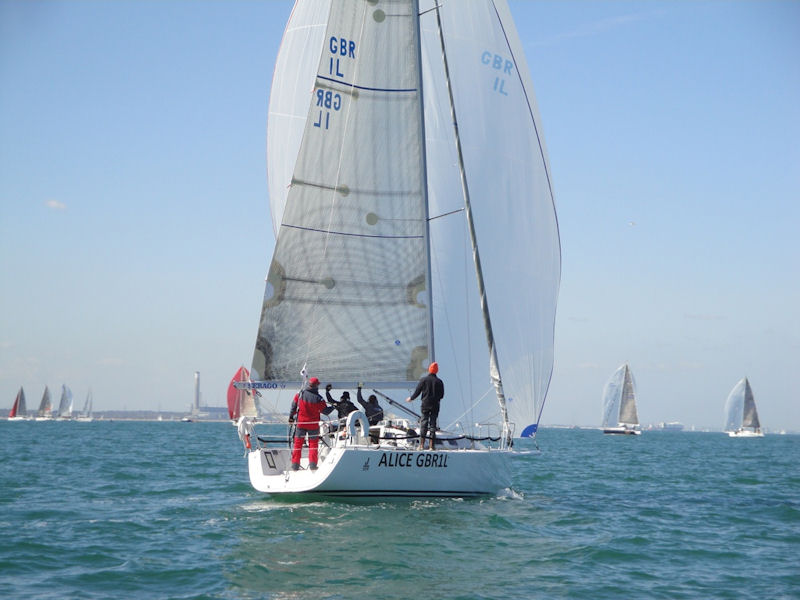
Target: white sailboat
{"x":619,"y":403}
{"x":65,"y":405}
{"x":86,"y":413}
{"x":19,"y":411}
{"x":741,"y":416}
{"x":45,"y":412}
{"x":420,"y":140}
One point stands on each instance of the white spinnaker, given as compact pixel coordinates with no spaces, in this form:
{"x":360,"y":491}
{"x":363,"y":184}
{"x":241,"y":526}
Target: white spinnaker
{"x":511,"y":195}
{"x":347,"y":290}
{"x":612,"y":397}
{"x":734,"y":406}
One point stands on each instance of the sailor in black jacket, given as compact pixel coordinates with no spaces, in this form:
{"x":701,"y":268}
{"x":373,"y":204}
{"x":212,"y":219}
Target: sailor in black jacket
{"x":432,"y":390}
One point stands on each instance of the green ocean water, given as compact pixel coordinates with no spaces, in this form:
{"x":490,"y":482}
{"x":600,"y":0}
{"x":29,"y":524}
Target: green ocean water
{"x":165,"y":510}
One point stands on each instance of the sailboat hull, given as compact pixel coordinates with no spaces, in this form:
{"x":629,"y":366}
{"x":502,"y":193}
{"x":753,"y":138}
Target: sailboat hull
{"x":382,"y":472}
{"x":621,"y":431}
{"x":745,"y":433}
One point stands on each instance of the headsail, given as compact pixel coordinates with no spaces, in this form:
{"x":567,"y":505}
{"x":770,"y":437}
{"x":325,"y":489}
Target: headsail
{"x":347,"y":291}
{"x":507,"y":169}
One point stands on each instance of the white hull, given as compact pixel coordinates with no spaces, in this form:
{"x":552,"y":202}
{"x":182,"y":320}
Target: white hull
{"x":745,"y":433}
{"x":45,"y":419}
{"x":383,"y":471}
{"x":19,"y":418}
{"x":621,"y":431}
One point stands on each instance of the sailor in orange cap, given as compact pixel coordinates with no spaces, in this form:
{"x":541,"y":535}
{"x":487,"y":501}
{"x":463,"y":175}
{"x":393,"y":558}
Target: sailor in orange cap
{"x":432,"y":390}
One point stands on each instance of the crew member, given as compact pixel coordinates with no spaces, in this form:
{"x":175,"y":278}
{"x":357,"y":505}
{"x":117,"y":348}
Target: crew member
{"x":307,"y":407}
{"x":432,"y":390}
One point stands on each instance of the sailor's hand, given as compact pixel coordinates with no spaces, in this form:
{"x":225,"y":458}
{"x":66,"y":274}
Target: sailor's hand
{"x":328,"y":387}
{"x":408,"y":399}
{"x":291,"y":420}
{"x":360,"y":385}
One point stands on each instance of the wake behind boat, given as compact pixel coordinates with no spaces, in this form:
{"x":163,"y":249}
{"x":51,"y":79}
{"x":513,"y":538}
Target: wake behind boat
{"x":420,"y":139}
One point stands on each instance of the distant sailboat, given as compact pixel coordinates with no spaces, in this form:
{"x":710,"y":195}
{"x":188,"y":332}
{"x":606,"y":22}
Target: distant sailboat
{"x":45,"y":412}
{"x":86,"y":414}
{"x":619,"y":403}
{"x":241,"y":402}
{"x":19,"y":412}
{"x":65,"y":405}
{"x":741,"y":416}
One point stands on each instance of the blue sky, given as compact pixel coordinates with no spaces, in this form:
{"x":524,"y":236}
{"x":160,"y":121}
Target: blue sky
{"x":134,"y":233}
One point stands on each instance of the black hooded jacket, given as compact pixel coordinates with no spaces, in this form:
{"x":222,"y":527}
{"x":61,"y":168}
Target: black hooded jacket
{"x":432,"y":390}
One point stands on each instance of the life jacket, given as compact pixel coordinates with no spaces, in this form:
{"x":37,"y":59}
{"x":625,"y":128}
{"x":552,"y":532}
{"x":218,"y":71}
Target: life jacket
{"x":310,"y":406}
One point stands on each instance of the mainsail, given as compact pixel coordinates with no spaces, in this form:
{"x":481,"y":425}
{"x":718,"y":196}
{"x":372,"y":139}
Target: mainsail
{"x":347,"y":291}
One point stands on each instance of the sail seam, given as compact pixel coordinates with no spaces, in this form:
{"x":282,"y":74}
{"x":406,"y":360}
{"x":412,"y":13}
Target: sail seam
{"x":362,"y":235}
{"x":367,"y":88}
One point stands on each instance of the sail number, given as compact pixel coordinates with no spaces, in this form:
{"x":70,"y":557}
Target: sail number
{"x":423,"y":460}
{"x":498,"y":63}
{"x":341,"y":49}
{"x":326,"y":101}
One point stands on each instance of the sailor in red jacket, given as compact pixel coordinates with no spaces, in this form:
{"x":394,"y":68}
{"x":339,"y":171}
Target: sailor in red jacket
{"x":307,"y":406}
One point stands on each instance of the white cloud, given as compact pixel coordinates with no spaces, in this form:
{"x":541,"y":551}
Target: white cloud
{"x":55,"y":205}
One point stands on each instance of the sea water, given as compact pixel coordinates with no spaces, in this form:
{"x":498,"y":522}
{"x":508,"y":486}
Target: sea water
{"x":165,"y":510}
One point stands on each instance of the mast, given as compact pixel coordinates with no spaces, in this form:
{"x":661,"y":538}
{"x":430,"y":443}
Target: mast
{"x":494,"y":366}
{"x":424,"y":165}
